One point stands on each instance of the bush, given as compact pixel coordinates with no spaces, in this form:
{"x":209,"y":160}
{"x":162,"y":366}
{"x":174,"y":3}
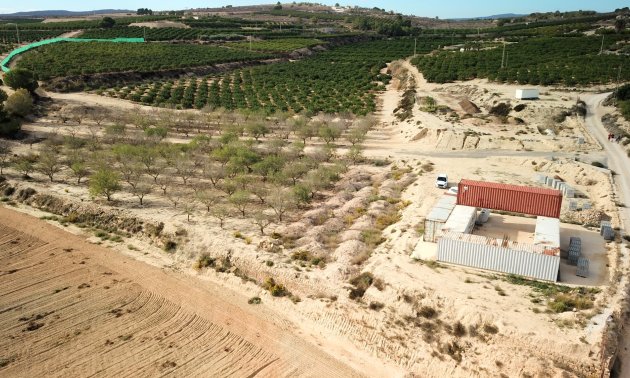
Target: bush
{"x":372,"y":237}
{"x":361,"y":283}
{"x":490,"y":328}
{"x":427,"y":312}
{"x":376,"y":306}
{"x":170,"y":246}
{"x":9,"y":127}
{"x":379,"y":284}
{"x":501,"y":110}
{"x":204,"y":261}
{"x":520,"y":107}
{"x":275,"y":289}
{"x":459,"y":329}
{"x":254,"y":300}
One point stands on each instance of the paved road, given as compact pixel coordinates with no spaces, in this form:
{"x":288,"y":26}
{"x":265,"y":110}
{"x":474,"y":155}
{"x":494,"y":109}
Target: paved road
{"x":619,"y":162}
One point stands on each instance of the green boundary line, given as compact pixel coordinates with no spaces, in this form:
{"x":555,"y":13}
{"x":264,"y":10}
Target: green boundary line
{"x":5,"y":62}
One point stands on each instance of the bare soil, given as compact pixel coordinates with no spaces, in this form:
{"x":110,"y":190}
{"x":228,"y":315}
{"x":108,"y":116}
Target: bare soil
{"x":70,"y":308}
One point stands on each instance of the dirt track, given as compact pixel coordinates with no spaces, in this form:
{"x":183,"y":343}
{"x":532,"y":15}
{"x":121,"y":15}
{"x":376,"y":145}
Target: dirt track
{"x":70,"y":308}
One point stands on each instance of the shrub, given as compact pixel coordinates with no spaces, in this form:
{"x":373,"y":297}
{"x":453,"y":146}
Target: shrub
{"x":376,"y":306}
{"x":459,"y":329}
{"x":520,"y":107}
{"x":361,"y":283}
{"x":427,"y":312}
{"x":490,"y":328}
{"x":275,"y":289}
{"x":204,"y":261}
{"x":170,"y":246}
{"x":501,"y":110}
{"x":379,"y":284}
{"x":372,"y":237}
{"x":254,"y":300}
{"x":454,"y":350}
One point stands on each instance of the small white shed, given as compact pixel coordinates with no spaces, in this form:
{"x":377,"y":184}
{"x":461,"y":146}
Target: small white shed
{"x":527,"y":94}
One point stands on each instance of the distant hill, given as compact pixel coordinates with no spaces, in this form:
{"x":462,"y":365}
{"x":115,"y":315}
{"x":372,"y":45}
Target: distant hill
{"x":494,"y":17}
{"x":62,"y":13}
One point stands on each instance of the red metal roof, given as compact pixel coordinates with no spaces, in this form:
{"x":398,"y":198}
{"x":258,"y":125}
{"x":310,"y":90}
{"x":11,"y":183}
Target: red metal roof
{"x":513,"y":198}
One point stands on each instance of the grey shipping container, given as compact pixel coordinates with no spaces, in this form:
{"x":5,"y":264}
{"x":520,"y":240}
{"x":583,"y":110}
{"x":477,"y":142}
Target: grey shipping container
{"x":437,"y":218}
{"x":488,"y":257}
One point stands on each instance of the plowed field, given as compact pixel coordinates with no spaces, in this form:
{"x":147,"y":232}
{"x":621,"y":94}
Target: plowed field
{"x":69,"y":308}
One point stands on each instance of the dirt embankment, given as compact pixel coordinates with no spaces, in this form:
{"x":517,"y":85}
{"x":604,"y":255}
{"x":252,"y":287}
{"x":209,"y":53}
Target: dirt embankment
{"x":71,"y":308}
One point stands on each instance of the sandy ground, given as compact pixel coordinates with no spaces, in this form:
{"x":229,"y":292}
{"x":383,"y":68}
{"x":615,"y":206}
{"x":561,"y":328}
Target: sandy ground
{"x":71,"y":308}
{"x":529,"y":341}
{"x":160,"y":24}
{"x":455,"y":130}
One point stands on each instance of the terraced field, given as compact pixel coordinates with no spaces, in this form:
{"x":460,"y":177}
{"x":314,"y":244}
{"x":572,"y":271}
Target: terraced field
{"x":68,"y":308}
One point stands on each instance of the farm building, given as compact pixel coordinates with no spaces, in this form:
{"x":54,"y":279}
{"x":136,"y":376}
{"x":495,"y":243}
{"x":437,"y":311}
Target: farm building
{"x":527,"y":94}
{"x":497,"y":244}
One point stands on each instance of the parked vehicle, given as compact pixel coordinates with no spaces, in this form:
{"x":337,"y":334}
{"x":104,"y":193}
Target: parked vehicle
{"x":442,"y":181}
{"x":453,"y":190}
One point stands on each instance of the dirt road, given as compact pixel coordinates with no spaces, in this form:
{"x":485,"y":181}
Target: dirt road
{"x":71,"y":308}
{"x":618,"y":162}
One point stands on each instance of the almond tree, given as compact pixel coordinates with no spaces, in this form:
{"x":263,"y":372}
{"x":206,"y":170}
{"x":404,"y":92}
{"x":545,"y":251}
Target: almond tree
{"x":5,"y":155}
{"x":281,"y":201}
{"x":240,"y":200}
{"x":262,"y":220}
{"x":105,"y":182}
{"x":49,"y":164}
{"x":141,"y":189}
{"x":221,"y":212}
{"x":207,"y":198}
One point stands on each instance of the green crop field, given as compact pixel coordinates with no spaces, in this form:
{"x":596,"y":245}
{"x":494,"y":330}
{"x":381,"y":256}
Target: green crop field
{"x":546,"y":61}
{"x":10,"y":36}
{"x":65,"y":59}
{"x":178,"y":34}
{"x":342,"y":79}
{"x":278,"y":45}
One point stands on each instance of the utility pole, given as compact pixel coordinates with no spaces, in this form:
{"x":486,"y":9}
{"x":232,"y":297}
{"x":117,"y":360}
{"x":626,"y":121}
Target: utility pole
{"x":617,"y":88}
{"x":144,"y":30}
{"x":415,"y":45}
{"x":17,"y":32}
{"x":503,"y":56}
{"x":601,"y":49}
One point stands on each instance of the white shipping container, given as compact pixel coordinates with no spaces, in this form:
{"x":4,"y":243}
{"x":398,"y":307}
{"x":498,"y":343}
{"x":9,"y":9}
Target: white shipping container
{"x":527,"y":94}
{"x":462,"y":220}
{"x":547,"y":232}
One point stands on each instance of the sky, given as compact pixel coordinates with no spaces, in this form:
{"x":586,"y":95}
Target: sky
{"x":442,"y":9}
